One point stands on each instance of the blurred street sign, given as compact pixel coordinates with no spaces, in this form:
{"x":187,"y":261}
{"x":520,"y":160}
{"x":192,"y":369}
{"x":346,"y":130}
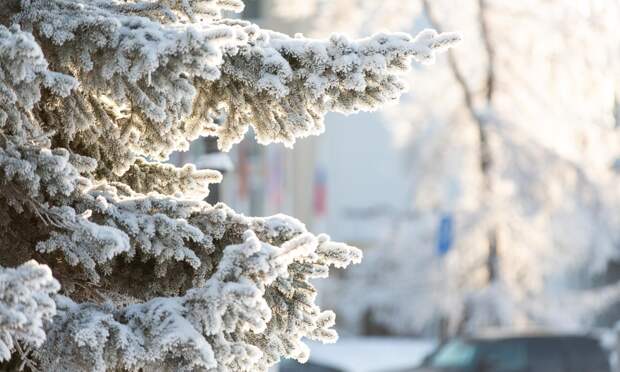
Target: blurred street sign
{"x":320,"y":192}
{"x":445,"y":234}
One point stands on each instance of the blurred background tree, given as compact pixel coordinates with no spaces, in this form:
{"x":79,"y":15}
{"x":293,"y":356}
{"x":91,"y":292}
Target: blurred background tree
{"x":512,"y":214}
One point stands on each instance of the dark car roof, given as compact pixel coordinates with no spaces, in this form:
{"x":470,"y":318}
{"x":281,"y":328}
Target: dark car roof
{"x":545,"y":350}
{"x":498,"y":336}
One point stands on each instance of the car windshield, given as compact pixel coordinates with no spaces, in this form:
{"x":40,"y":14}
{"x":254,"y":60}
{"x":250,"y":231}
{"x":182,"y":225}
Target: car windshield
{"x":454,"y":354}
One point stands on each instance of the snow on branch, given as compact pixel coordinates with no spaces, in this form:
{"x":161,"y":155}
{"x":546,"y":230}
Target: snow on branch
{"x":145,"y":177}
{"x":251,"y":312}
{"x":136,"y":77}
{"x":144,"y":82}
{"x":299,"y":80}
{"x":25,"y":305}
{"x":23,"y":72}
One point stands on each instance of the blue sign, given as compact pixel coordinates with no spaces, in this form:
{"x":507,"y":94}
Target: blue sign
{"x":445,"y":234}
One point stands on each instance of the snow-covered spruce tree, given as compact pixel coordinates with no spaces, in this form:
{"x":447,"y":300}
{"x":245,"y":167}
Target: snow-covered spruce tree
{"x":133,"y":270}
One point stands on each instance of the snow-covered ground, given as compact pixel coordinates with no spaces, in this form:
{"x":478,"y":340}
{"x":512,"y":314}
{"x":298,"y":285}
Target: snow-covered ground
{"x":366,"y":354}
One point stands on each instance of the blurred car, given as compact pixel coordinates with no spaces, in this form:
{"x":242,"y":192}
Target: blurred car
{"x":538,"y":353}
{"x":363,"y":354}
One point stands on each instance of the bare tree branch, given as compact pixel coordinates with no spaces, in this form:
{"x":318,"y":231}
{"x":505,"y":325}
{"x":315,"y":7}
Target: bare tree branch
{"x":479,"y":119}
{"x":484,"y":28}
